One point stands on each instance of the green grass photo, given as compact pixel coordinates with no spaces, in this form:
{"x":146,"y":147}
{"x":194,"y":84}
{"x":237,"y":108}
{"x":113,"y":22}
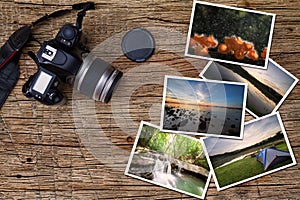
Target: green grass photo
{"x":264,"y":149}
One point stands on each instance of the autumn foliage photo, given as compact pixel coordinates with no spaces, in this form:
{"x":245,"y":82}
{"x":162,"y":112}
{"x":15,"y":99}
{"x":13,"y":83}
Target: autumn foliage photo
{"x":230,"y":35}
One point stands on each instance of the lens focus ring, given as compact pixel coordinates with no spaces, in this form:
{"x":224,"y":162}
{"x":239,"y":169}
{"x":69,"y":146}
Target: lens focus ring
{"x":97,"y":78}
{"x":99,"y":89}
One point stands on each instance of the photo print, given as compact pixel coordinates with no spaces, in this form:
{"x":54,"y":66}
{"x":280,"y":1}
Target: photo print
{"x":230,"y":34}
{"x":264,"y":149}
{"x":267,"y":88}
{"x":203,"y":107}
{"x":173,"y":161}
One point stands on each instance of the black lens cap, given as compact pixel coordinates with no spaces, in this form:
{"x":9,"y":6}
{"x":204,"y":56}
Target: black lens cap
{"x":138,"y":45}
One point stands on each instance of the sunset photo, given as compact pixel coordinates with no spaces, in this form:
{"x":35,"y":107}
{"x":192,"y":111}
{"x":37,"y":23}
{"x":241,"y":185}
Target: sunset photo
{"x":267,"y":88}
{"x":199,"y":107}
{"x":264,"y":149}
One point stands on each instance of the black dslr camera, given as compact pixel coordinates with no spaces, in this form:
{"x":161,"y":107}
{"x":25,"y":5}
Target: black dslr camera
{"x":60,"y":61}
{"x":44,"y":87}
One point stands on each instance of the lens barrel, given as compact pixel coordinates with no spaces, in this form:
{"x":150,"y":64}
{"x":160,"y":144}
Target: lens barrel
{"x":97,"y":79}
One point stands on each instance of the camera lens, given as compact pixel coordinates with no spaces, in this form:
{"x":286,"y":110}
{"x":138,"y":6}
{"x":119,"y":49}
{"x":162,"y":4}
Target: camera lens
{"x":97,"y":79}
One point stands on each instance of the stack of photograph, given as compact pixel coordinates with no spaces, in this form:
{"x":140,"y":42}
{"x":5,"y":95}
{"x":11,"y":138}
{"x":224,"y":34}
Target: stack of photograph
{"x":202,"y":131}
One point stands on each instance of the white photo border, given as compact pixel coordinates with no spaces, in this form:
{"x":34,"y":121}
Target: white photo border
{"x":210,"y":81}
{"x":201,"y":75}
{"x":153,"y":182}
{"x":233,"y":8}
{"x":259,"y":175}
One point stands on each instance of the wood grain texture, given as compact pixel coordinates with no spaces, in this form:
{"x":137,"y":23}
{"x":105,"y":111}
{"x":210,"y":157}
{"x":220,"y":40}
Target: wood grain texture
{"x":80,"y":150}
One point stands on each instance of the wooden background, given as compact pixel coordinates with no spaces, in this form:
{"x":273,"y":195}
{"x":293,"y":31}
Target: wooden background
{"x":80,"y":150}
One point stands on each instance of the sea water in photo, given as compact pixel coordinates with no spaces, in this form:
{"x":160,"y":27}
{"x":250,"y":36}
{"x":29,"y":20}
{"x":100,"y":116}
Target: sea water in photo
{"x":198,"y":106}
{"x":265,"y":91}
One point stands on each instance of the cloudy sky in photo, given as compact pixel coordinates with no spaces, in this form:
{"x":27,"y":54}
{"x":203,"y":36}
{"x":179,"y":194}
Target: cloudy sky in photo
{"x":254,"y":132}
{"x":201,"y":92}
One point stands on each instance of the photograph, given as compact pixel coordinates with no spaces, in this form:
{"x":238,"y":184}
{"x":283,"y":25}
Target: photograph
{"x":267,"y":88}
{"x":203,"y":107}
{"x":230,"y":34}
{"x":173,"y":161}
{"x":265,"y":149}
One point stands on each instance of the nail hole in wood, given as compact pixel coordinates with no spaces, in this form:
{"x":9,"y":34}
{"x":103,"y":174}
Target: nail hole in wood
{"x":129,"y":139}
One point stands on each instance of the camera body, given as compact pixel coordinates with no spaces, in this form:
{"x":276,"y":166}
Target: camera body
{"x":56,"y":59}
{"x":44,"y":86}
{"x":60,"y":61}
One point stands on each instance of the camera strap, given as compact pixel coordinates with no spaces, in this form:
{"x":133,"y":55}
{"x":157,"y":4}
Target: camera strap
{"x":10,"y":52}
{"x":80,"y":6}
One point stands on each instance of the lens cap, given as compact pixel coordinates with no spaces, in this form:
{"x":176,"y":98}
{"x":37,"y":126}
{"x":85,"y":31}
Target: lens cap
{"x":138,"y":45}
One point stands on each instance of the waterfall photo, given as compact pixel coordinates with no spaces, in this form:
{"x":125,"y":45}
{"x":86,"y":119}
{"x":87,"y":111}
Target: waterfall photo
{"x":230,"y":34}
{"x":170,"y":160}
{"x":265,"y":149}
{"x":203,"y":107}
{"x":267,"y":88}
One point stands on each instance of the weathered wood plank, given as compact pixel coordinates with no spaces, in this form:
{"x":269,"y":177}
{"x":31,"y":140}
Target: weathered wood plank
{"x":80,"y":150}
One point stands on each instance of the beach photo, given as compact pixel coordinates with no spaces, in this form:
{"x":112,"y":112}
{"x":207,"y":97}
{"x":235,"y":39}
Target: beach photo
{"x":203,"y":107}
{"x":170,"y":160}
{"x":265,"y":149}
{"x":229,"y":34}
{"x":267,"y":88}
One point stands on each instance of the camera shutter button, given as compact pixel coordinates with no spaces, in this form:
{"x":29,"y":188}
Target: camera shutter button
{"x":68,"y":33}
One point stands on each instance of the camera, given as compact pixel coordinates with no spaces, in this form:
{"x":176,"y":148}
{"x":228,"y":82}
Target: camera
{"x":64,"y":63}
{"x":66,"y":59}
{"x":44,"y":86}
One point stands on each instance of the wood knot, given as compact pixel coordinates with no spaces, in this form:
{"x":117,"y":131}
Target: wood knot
{"x":129,"y":139}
